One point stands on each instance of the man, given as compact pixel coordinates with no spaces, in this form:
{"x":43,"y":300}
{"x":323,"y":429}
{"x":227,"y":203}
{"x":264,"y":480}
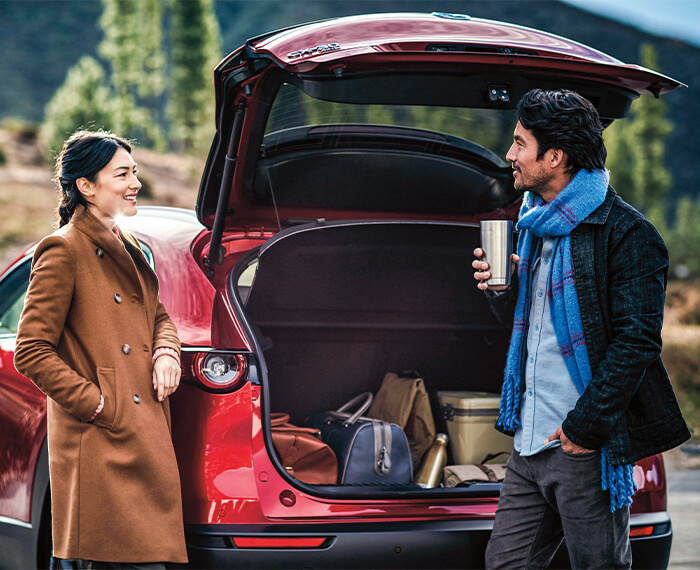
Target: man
{"x":585,"y":392}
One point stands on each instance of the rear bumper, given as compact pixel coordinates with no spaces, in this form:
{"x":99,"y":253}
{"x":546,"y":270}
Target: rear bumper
{"x":434,"y":544}
{"x":431,"y":544}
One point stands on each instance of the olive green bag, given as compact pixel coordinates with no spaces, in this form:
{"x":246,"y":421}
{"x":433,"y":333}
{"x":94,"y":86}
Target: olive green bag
{"x":405,"y":402}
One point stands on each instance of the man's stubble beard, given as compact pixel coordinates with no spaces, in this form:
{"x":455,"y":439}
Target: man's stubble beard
{"x":536,"y":186}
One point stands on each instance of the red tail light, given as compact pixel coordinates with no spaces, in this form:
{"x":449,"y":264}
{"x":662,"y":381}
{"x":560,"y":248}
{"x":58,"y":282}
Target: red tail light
{"x":642,"y":531}
{"x":216,"y":371}
{"x":284,"y":542}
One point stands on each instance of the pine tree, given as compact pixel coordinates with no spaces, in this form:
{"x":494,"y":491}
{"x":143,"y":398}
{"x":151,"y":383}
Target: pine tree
{"x":648,"y":134}
{"x":636,"y":152}
{"x":85,"y":100}
{"x":684,"y":240}
{"x":620,"y":159}
{"x":195,"y":42}
{"x":132,"y":46}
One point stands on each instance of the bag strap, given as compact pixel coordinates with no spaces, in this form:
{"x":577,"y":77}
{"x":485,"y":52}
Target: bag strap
{"x":488,"y":472}
{"x":366,"y":396}
{"x":278,"y":419}
{"x":280,"y":424}
{"x":493,"y":456}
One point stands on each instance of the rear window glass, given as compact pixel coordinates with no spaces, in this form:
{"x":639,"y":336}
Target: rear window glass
{"x":489,"y":128}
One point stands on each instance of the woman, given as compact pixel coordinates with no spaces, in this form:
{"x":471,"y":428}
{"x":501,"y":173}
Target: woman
{"x":96,"y":339}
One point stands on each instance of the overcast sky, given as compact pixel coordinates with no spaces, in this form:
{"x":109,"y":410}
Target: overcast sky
{"x":672,"y":18}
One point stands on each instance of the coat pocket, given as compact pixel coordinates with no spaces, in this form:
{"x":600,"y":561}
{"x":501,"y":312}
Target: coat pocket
{"x":107,"y":383}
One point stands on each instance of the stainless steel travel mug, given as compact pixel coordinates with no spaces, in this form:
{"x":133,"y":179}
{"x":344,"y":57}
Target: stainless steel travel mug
{"x":497,"y":243}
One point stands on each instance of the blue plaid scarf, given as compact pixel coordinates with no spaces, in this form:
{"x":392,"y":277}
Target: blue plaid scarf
{"x":557,"y":219}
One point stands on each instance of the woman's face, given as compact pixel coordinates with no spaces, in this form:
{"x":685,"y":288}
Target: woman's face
{"x":115,"y":188}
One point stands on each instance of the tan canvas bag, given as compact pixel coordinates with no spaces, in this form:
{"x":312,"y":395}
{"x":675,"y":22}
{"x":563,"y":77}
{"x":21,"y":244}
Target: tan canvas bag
{"x":404,"y":401}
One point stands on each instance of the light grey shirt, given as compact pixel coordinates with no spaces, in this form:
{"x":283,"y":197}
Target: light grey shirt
{"x":550,"y":393}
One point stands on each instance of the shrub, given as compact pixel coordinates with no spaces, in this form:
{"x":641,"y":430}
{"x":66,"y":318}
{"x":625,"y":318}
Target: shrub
{"x":683,"y":364}
{"x":85,"y":100}
{"x":22,"y":131}
{"x":684,"y":297}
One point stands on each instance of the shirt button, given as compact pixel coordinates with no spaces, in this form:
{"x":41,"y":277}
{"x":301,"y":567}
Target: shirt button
{"x":546,"y":260}
{"x":539,"y":293}
{"x":117,"y":298}
{"x":537,"y":327}
{"x":99,"y":253}
{"x":126,"y":349}
{"x":137,"y":399}
{"x":529,"y":393}
{"x":532,"y":359}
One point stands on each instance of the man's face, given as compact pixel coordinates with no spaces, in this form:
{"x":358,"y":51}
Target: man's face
{"x":530,"y":174}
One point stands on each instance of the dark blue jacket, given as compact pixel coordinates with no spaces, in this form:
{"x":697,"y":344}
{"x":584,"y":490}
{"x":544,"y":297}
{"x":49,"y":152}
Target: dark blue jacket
{"x":620,"y":266}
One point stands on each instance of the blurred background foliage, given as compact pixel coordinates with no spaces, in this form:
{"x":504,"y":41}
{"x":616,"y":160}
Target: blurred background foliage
{"x":156,"y":85}
{"x":144,"y":69}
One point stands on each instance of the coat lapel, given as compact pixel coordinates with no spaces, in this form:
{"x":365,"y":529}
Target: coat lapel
{"x":111,"y":246}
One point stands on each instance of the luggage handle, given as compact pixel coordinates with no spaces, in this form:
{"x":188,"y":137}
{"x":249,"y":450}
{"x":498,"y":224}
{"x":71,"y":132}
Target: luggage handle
{"x":351,"y":419}
{"x":280,"y":423}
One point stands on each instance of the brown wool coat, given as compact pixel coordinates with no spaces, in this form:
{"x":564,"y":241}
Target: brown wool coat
{"x":90,"y":324}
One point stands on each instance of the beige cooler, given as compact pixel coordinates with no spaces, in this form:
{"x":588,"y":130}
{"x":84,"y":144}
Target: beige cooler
{"x":471,"y":417}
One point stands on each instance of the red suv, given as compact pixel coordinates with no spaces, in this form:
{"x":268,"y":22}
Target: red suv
{"x":339,"y":209}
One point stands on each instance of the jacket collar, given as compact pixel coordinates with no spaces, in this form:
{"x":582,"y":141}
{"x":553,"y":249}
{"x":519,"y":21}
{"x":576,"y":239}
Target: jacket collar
{"x":600,"y":214}
{"x":93,"y":228}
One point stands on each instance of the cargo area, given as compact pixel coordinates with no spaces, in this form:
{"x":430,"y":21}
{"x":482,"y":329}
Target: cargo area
{"x":336,"y":306}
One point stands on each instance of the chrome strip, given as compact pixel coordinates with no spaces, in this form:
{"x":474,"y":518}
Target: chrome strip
{"x":15,"y":522}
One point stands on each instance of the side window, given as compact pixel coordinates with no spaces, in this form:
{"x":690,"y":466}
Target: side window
{"x":148,"y":254}
{"x":13,"y":288}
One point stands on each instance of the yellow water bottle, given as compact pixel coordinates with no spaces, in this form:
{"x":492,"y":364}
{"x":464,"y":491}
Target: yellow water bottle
{"x":430,"y":473}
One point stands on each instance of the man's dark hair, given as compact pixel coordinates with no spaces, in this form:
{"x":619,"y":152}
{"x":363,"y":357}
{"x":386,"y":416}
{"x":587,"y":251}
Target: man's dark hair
{"x":564,"y":120}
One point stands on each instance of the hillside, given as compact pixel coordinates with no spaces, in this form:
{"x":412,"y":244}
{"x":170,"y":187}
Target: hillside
{"x":28,"y":196}
{"x":41,"y":39}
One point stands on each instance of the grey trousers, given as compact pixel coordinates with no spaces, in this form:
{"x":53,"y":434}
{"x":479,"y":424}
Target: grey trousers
{"x":552,"y":496}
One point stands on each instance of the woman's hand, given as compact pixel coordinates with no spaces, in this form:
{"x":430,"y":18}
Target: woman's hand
{"x":166,"y":376}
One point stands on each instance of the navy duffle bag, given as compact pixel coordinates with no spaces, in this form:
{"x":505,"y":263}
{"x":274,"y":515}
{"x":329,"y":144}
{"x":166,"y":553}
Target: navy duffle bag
{"x":369,"y":451}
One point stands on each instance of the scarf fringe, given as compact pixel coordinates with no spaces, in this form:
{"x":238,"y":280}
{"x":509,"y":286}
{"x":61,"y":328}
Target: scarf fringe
{"x":618,"y":480}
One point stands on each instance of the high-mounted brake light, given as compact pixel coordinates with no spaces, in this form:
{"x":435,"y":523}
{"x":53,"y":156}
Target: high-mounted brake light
{"x":283,"y":542}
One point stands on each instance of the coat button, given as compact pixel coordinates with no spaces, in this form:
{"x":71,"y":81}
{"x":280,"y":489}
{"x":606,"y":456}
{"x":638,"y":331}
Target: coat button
{"x":117,"y":297}
{"x":99,"y":253}
{"x":137,"y":399}
{"x":126,"y":349}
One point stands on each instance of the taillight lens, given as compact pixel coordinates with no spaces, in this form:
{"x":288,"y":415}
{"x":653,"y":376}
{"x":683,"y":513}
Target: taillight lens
{"x":282,"y":542}
{"x":216,"y":371}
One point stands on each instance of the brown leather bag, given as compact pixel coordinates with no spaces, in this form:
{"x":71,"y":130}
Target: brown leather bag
{"x":302,"y":452}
